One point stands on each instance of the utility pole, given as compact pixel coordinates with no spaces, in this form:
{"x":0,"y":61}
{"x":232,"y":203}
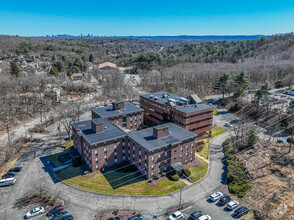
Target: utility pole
{"x":291,"y":140}
{"x":7,"y":127}
{"x":59,"y":133}
{"x":181,"y":187}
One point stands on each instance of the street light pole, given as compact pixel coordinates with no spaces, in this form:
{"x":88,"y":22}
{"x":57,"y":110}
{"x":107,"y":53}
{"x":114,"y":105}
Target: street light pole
{"x":181,"y":187}
{"x":7,"y":127}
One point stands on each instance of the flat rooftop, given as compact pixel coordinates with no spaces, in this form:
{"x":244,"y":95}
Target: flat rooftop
{"x":107,"y":111}
{"x":146,"y":139}
{"x":110,"y":131}
{"x":180,"y":105}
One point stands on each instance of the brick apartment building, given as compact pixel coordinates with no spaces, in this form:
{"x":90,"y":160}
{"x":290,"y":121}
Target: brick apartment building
{"x":99,"y":142}
{"x":189,"y":113}
{"x":125,"y":115}
{"x":152,"y":150}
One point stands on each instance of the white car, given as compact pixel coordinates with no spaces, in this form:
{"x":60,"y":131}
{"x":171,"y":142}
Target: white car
{"x":215,"y":196}
{"x":35,"y":212}
{"x":228,"y":125}
{"x":232,"y":205}
{"x":177,"y":215}
{"x":204,"y":217}
{"x":7,"y":181}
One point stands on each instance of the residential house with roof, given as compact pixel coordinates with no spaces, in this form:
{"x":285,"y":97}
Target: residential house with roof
{"x":123,"y":114}
{"x":191,"y":114}
{"x":107,"y":66}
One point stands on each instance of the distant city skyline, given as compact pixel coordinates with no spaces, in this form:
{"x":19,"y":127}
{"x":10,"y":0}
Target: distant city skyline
{"x":146,"y":18}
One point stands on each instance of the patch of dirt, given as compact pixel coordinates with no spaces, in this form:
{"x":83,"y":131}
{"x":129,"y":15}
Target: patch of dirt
{"x":44,"y":199}
{"x":271,"y":171}
{"x":155,"y":182}
{"x":124,"y":215}
{"x":195,"y":163}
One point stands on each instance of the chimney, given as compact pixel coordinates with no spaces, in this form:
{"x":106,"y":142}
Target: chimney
{"x":160,"y":131}
{"x":97,"y":127}
{"x":118,"y":105}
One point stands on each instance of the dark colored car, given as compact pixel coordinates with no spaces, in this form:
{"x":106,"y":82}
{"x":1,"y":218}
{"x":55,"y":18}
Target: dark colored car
{"x":15,"y":169}
{"x":8,"y":175}
{"x":55,"y":210}
{"x":11,"y":173}
{"x":290,"y":139}
{"x":241,"y":211}
{"x":196,"y":214}
{"x":67,"y":217}
{"x":224,"y":200}
{"x":115,"y":218}
{"x":136,"y":217}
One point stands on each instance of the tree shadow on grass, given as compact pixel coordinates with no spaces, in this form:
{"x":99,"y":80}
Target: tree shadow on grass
{"x":122,"y":175}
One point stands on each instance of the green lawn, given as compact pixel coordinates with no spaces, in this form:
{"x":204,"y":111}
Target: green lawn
{"x":115,"y":183}
{"x":218,"y":131}
{"x":205,"y":153}
{"x":199,"y":172}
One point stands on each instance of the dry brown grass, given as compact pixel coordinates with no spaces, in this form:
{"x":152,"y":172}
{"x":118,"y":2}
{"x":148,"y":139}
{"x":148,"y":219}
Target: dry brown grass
{"x":272,"y":181}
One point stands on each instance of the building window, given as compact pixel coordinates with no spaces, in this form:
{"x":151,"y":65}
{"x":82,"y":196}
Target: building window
{"x":124,"y":119}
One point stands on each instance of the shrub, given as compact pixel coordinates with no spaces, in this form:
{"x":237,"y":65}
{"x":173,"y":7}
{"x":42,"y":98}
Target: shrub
{"x":156,"y":176}
{"x":175,"y":177}
{"x":199,"y":148}
{"x":47,"y":200}
{"x":150,"y":180}
{"x":163,"y":174}
{"x":187,"y":172}
{"x":115,"y":212}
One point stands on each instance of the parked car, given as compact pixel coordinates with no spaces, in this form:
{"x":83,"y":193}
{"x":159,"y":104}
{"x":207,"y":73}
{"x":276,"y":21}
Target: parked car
{"x":115,"y":218}
{"x":8,"y":175}
{"x":35,"y":212}
{"x":55,"y":210}
{"x":232,"y":205}
{"x":204,"y":217}
{"x":11,"y":173}
{"x":67,"y":217}
{"x":215,"y":196}
{"x":289,"y":139}
{"x":7,"y":181}
{"x":241,"y":211}
{"x":196,"y":214}
{"x":136,"y":217}
{"x":280,"y":141}
{"x":177,"y":215}
{"x":228,"y":124}
{"x":16,"y":169}
{"x":58,"y":215}
{"x":224,"y":200}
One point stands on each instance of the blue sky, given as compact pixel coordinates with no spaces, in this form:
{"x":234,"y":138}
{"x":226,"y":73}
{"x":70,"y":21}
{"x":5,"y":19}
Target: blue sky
{"x":138,"y":17}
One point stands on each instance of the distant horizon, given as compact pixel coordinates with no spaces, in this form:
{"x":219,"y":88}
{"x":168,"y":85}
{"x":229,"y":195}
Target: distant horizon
{"x":146,"y":18}
{"x":125,"y":36}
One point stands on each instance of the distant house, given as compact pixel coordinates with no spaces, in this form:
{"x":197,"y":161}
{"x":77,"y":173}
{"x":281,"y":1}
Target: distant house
{"x":53,"y":93}
{"x":77,"y":76}
{"x":107,"y":66}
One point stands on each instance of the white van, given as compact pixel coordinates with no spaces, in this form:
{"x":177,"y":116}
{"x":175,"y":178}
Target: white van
{"x":7,"y":181}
